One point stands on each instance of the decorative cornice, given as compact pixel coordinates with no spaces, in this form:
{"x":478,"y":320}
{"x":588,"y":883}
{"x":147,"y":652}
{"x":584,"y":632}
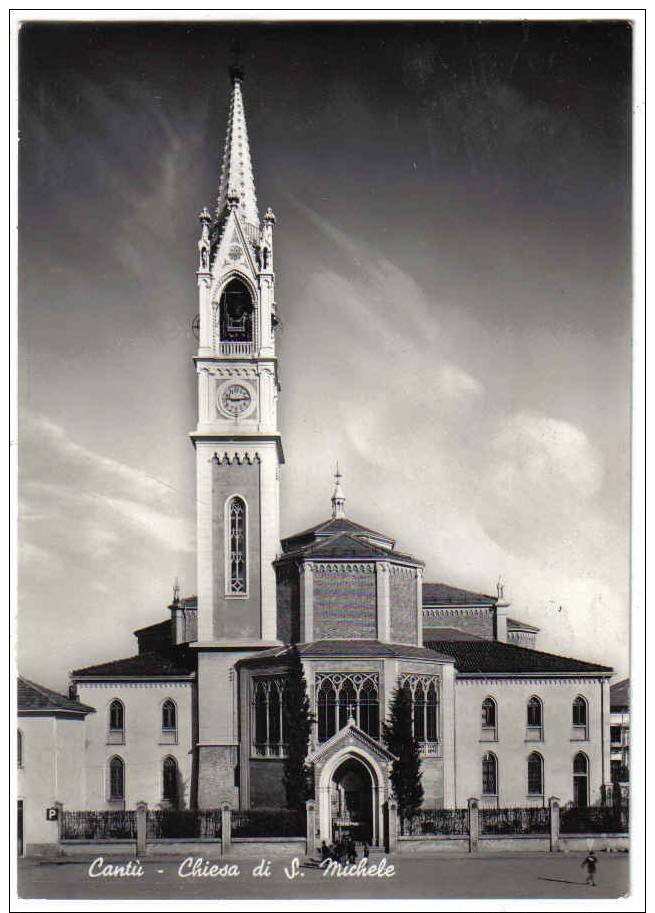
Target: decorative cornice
{"x":347,"y":567}
{"x":238,"y":458}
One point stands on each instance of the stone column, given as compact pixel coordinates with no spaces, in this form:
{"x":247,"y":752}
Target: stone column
{"x":553,"y":804}
{"x":392,"y":825}
{"x":310,"y":806}
{"x":226,"y":828}
{"x":141,"y":820}
{"x":474,"y":825}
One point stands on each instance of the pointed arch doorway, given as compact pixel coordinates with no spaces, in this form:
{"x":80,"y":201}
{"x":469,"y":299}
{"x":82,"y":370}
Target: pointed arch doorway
{"x":351,"y":776}
{"x":351,"y":802}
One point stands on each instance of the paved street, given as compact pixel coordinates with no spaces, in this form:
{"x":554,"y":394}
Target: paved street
{"x":536,"y":875}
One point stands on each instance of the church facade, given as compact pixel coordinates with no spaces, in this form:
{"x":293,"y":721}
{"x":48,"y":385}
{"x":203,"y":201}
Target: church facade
{"x":195,"y":717}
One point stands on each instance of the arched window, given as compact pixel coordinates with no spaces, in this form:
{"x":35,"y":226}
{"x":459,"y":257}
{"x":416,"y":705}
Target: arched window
{"x":327,"y":703}
{"x":268,"y":728}
{"x":168,"y":715}
{"x":423,"y":692}
{"x":535,"y":774}
{"x":489,"y":775}
{"x":116,"y":779}
{"x":581,"y":780}
{"x":235,"y":310}
{"x":534,"y":729}
{"x":489,"y":726}
{"x":432,"y":710}
{"x":116,"y":723}
{"x":369,"y":709}
{"x":237,"y":569}
{"x":169,"y":722}
{"x":580,"y":718}
{"x":340,"y":696}
{"x":419,"y":713}
{"x":19,"y":748}
{"x":170,"y":781}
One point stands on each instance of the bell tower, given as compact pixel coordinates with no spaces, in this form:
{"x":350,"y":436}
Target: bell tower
{"x":238,"y":449}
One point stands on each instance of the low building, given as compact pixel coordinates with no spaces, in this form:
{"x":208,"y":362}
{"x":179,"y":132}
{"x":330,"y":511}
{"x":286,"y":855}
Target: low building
{"x":51,"y":756}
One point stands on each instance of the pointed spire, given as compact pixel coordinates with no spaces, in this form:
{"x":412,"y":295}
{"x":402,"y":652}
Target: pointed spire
{"x":237,"y":184}
{"x":338,"y":499}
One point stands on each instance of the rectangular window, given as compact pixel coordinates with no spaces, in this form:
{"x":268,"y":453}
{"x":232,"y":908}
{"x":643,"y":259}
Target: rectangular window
{"x":615,"y":735}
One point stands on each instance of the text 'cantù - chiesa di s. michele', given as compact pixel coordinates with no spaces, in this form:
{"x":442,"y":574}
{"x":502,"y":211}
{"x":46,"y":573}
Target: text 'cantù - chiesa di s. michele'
{"x":195,"y":718}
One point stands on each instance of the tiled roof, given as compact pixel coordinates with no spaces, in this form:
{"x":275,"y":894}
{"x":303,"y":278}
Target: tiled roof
{"x":514,"y":625}
{"x":435,"y":594}
{"x":159,"y":626}
{"x":344,"y":545}
{"x":620,"y":695}
{"x":491,"y":656}
{"x":33,"y":697}
{"x":333,"y":527}
{"x":433,"y":633}
{"x":349,"y":648}
{"x":150,"y":665}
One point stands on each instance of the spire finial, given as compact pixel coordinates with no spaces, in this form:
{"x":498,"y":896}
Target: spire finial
{"x":338,"y":499}
{"x":176,"y":590}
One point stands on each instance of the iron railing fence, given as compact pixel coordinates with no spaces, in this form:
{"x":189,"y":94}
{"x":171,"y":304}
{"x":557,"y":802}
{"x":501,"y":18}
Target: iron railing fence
{"x":595,"y":819}
{"x":264,"y":822}
{"x":430,"y":822}
{"x":101,"y":825}
{"x":162,"y":824}
{"x":499,"y":821}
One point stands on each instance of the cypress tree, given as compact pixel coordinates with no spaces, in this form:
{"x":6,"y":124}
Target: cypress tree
{"x":298,"y":725}
{"x":399,"y":739}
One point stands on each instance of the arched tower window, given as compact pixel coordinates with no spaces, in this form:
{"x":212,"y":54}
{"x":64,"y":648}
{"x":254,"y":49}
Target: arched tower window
{"x":170,"y":781}
{"x":237,"y":564}
{"x":535,"y":774}
{"x":116,"y":734}
{"x":489,"y":775}
{"x":236,"y":310}
{"x":116,"y":779}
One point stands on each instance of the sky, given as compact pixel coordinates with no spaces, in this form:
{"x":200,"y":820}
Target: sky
{"x":453,"y":274}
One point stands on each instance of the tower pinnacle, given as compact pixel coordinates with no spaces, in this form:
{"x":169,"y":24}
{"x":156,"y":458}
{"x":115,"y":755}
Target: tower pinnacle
{"x":237,"y":184}
{"x":338,"y":499}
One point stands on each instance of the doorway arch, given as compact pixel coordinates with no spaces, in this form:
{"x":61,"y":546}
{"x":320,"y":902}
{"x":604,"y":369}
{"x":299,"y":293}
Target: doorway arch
{"x":351,"y":802}
{"x":353,"y":782}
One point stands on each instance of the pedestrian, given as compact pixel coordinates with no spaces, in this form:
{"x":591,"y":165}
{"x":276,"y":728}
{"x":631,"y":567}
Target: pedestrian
{"x":590,"y":862}
{"x":365,"y":851}
{"x":325,"y":850}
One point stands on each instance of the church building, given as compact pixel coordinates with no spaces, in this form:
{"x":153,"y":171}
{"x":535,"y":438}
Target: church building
{"x":195,"y":717}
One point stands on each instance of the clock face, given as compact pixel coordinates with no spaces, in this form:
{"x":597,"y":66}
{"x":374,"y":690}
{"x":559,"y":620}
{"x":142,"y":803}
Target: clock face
{"x":235,"y":399}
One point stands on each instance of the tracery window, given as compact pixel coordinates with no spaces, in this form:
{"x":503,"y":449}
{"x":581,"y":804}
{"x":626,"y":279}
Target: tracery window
{"x":116,"y":732}
{"x":580,"y":718}
{"x":424,"y":693}
{"x":342,"y":695}
{"x":489,"y":731}
{"x":237,"y":558}
{"x":489,"y":775}
{"x":268,"y":727}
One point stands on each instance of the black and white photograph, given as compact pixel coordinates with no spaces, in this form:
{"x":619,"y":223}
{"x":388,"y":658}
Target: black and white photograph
{"x":323,"y":413}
